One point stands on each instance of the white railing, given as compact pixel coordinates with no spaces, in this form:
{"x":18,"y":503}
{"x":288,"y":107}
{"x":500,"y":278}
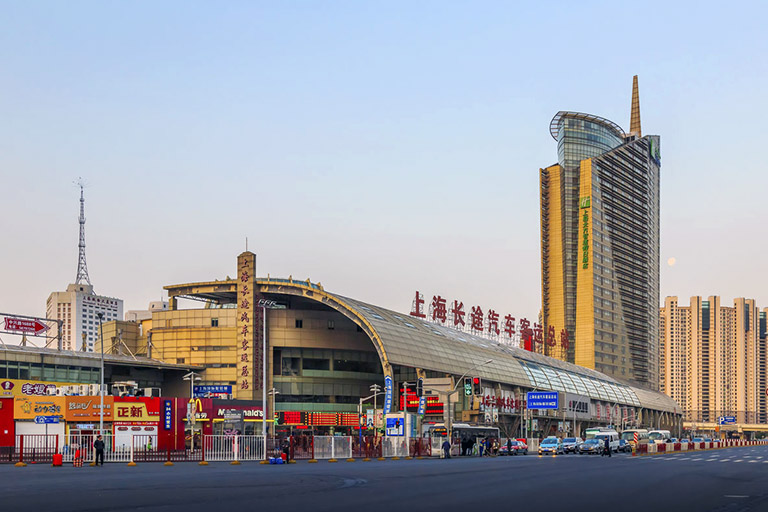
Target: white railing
{"x":394,"y":447}
{"x":229,"y":448}
{"x":333,"y":447}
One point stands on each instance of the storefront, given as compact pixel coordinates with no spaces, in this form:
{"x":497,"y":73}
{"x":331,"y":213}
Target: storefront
{"x":137,"y":420}
{"x":27,"y":412}
{"x":235,"y":419}
{"x":82,"y":414}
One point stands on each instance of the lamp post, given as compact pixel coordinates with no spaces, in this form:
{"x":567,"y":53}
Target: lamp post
{"x":191,"y":377}
{"x":272,"y":392}
{"x":264,"y":304}
{"x":100,"y":316}
{"x":376,"y":392}
{"x":375,"y":389}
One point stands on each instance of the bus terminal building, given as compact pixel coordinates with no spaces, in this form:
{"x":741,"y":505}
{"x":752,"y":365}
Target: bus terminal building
{"x":319,"y":354}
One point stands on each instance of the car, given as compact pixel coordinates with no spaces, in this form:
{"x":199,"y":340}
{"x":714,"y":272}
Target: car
{"x":698,"y":439}
{"x":519,"y":448}
{"x":551,"y":445}
{"x":707,"y":439}
{"x":685,"y":440}
{"x":624,"y":446}
{"x":591,"y":446}
{"x":571,"y":444}
{"x":673,"y":440}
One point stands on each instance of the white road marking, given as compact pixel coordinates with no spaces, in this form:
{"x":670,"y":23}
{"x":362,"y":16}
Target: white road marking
{"x":735,"y":496}
{"x":739,"y":460}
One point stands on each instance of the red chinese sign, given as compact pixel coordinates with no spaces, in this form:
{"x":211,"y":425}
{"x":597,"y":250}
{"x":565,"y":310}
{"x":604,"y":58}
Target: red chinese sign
{"x":489,"y":323}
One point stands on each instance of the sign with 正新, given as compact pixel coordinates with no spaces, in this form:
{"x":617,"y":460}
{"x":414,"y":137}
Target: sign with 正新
{"x":542,"y":400}
{"x":387,"y":394}
{"x":40,"y":420}
{"x":143,"y":409}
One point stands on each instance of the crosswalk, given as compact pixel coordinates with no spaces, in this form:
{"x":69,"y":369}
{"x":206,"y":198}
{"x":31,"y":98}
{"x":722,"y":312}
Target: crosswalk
{"x":731,"y":455}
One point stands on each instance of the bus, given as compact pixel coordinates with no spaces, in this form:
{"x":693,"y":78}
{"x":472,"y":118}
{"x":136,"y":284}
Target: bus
{"x":629,"y":436}
{"x":659,"y":436}
{"x":462,"y":431}
{"x":590,"y":433}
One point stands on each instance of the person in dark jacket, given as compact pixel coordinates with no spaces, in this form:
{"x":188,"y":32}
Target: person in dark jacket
{"x":509,"y":446}
{"x":607,"y":449}
{"x":98,"y":445}
{"x":447,"y":449}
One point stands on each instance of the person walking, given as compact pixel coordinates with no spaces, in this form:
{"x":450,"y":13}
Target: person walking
{"x":509,"y":446}
{"x":607,"y":449}
{"x":98,"y":445}
{"x":481,"y":446}
{"x":447,"y":449}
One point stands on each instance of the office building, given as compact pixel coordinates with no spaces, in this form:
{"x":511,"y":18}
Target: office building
{"x":600,"y":245}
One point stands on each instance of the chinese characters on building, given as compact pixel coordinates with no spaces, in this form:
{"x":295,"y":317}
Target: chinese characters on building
{"x":490,"y":323}
{"x":248,"y":360}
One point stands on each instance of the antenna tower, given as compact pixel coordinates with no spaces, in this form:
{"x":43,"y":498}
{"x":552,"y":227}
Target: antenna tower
{"x":82,"y":268}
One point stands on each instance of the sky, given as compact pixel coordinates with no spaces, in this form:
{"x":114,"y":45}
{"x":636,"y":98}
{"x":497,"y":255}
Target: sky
{"x":376,"y":147}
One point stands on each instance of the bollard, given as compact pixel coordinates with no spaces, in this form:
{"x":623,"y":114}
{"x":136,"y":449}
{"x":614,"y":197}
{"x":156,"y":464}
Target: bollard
{"x":21,"y":463}
{"x":235,"y":449}
{"x":168,"y":460}
{"x":131,"y":463}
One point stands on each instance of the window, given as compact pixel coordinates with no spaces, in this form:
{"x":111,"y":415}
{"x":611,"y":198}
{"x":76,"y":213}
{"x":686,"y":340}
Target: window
{"x":331,"y":324}
{"x":300,"y":324}
{"x":290,"y":366}
{"x":214,"y":322}
{"x":315,"y":364}
{"x":179,"y":360}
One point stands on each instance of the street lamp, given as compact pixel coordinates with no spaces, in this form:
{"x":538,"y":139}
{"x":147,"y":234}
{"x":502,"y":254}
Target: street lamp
{"x":273,"y":392}
{"x":264,"y":304}
{"x":376,"y":392}
{"x":100,"y":316}
{"x":192,"y":377}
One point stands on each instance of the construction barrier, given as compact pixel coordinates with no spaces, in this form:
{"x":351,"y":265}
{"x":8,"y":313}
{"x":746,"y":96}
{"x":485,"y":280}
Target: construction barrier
{"x":332,"y":447}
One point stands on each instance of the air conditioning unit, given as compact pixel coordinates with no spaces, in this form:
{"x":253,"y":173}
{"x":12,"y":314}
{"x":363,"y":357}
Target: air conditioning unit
{"x":52,"y":391}
{"x":93,"y":389}
{"x":84,"y":389}
{"x":151,"y":392}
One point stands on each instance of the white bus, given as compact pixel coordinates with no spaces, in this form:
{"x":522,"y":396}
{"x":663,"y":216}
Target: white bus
{"x":659,"y":436}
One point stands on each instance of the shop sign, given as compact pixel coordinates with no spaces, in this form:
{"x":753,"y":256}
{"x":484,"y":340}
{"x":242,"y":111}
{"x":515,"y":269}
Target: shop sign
{"x":167,"y":414}
{"x":252,"y":413}
{"x":577,"y":406}
{"x":86,"y":408}
{"x":27,"y":408}
{"x":212,"y":391}
{"x":230,"y":414}
{"x":137,"y":409}
{"x":503,"y":401}
{"x":18,"y":387}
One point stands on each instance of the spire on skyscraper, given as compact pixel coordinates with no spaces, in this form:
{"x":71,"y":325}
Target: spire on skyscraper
{"x":634,"y":122}
{"x":82,"y":268}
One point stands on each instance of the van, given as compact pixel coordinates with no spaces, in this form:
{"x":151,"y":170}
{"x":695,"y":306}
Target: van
{"x":659,"y":436}
{"x":613,"y":439}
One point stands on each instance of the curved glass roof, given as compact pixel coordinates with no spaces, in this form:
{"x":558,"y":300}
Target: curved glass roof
{"x":417,"y":343}
{"x":555,"y":123}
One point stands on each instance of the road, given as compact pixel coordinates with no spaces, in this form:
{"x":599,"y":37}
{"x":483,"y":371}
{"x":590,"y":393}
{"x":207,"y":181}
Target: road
{"x":721,"y":480}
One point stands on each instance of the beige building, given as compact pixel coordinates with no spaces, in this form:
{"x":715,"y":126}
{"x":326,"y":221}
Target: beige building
{"x":712,"y":358}
{"x":78,"y":309}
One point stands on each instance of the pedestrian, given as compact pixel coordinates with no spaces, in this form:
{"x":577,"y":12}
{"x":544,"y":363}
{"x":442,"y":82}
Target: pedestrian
{"x":482,"y":447}
{"x":607,"y":449}
{"x":447,"y":449}
{"x":509,"y":446}
{"x":98,"y":445}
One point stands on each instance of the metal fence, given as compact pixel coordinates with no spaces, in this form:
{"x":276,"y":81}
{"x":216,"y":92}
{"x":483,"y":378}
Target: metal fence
{"x":332,"y":447}
{"x":229,"y":448}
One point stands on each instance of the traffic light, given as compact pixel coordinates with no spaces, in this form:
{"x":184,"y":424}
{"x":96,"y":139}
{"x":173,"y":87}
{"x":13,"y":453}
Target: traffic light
{"x":468,"y":386}
{"x":477,"y":386}
{"x":420,"y":388}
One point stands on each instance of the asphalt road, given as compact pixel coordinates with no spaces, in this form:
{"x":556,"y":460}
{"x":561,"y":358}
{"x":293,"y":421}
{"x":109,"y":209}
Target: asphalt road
{"x":734,"y":479}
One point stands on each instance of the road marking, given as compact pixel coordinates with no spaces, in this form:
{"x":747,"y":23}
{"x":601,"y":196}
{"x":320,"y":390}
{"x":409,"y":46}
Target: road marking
{"x":735,"y":496}
{"x":739,"y":460}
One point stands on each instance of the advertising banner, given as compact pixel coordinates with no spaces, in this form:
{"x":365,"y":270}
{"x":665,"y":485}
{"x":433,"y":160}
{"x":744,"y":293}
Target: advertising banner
{"x":387,"y":394}
{"x":18,"y":387}
{"x":27,"y":408}
{"x":86,"y":408}
{"x":137,"y":409}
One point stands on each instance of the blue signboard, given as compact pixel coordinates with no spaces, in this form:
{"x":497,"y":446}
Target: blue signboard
{"x":167,"y":415}
{"x":422,"y":399}
{"x":204,"y":391}
{"x":395,"y":427}
{"x":387,"y":394}
{"x":727,"y":420}
{"x":542,"y":400}
{"x":40,"y":420}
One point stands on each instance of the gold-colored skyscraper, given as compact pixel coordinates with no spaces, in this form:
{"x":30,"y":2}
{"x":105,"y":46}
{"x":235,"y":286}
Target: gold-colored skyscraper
{"x":600,"y":245}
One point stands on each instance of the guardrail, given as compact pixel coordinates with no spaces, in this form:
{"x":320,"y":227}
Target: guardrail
{"x":657,"y":448}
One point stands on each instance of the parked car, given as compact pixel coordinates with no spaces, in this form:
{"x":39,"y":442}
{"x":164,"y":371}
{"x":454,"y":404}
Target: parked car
{"x":551,"y":445}
{"x":698,"y":439}
{"x":591,"y":446}
{"x":520,"y":448}
{"x":673,"y":440}
{"x":624,"y":446}
{"x":685,"y":440}
{"x":571,"y":444}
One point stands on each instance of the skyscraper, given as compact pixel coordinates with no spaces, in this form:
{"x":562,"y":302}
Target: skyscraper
{"x":600,"y":244}
{"x":78,"y":307}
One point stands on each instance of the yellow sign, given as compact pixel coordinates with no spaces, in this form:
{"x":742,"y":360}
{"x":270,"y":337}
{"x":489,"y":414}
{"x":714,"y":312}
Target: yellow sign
{"x":134,"y":411}
{"x":28,"y":407}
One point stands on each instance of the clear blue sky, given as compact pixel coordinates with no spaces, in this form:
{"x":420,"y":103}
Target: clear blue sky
{"x":378,"y":148}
